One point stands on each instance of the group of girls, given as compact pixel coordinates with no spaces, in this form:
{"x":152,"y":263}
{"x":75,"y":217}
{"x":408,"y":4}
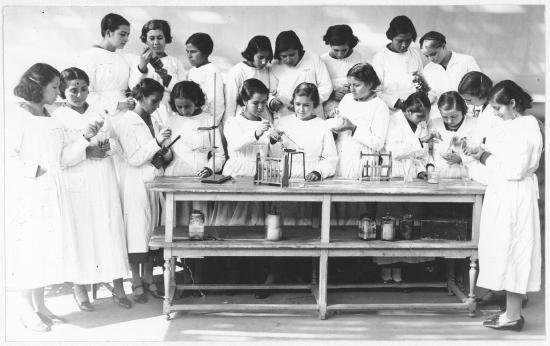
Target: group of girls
{"x":83,"y":169}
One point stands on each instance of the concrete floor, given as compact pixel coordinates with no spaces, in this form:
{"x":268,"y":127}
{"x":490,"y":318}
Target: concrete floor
{"x":145,"y":322}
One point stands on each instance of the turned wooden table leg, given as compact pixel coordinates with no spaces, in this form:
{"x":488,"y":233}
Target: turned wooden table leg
{"x":471,"y":295}
{"x":167,"y":277}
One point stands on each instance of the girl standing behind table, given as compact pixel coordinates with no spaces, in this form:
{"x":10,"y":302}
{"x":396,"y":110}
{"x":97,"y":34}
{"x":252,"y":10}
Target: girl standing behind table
{"x":156,"y":64}
{"x":509,"y":241}
{"x":397,"y":62}
{"x":99,"y":230}
{"x":108,"y":70}
{"x":293,"y":65}
{"x":199,"y":46}
{"x":141,"y":137}
{"x":338,"y":60}
{"x":258,"y":54}
{"x":407,"y":140}
{"x":361,"y":125}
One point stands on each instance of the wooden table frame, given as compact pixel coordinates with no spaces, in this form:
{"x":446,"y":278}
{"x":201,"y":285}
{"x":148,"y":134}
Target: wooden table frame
{"x":332,"y":190}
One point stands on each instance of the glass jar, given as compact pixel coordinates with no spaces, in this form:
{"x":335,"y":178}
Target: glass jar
{"x":367,"y":228}
{"x":196,"y":225}
{"x":388,"y":228}
{"x":406,"y":227}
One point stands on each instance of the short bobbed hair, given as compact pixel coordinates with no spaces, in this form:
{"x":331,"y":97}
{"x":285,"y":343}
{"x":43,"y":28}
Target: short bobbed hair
{"x":34,"y":80}
{"x":401,"y":25}
{"x":146,"y":87}
{"x":156,"y":24}
{"x":250,"y":87}
{"x":202,"y":41}
{"x":450,"y":100}
{"x":187,"y":90}
{"x":257,"y":44}
{"x":435,"y":36}
{"x":505,"y":91}
{"x":365,"y":73}
{"x":111,"y":22}
{"x":417,"y":102}
{"x":306,"y":89}
{"x":287,"y":40}
{"x":341,"y":34}
{"x":69,"y":74}
{"x":476,"y":84}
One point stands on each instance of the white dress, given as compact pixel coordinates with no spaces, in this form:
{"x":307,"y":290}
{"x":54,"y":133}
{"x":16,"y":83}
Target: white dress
{"x":140,"y":206}
{"x":509,"y":242}
{"x":317,"y":142}
{"x":39,"y":244}
{"x":309,"y":69}
{"x":235,"y":79}
{"x":99,"y":227}
{"x":395,"y":71}
{"x":191,"y":155}
{"x":338,"y":71}
{"x":204,"y":76}
{"x":467,"y":129}
{"x":109,"y":73}
{"x":242,"y":147}
{"x":174,"y":68}
{"x":441,"y":80}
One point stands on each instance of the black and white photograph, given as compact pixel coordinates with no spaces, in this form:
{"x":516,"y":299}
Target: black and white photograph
{"x":287,"y":172}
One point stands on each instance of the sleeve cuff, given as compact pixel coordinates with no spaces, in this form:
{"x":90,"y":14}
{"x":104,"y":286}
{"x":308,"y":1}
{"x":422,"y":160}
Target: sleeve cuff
{"x":317,"y":174}
{"x":484,"y":157}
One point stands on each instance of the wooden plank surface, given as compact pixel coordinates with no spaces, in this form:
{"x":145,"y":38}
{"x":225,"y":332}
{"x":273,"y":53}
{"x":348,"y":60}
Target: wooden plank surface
{"x":245,"y":185}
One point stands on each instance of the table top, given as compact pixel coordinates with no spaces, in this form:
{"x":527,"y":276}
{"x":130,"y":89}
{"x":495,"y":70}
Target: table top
{"x":245,"y":185}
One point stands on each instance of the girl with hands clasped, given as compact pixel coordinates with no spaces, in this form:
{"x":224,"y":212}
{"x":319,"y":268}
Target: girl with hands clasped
{"x":509,"y":242}
{"x":99,"y":231}
{"x":141,"y":137}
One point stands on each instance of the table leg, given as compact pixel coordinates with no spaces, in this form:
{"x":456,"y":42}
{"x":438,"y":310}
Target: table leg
{"x":471,"y":296}
{"x":167,"y":277}
{"x":323,"y":279}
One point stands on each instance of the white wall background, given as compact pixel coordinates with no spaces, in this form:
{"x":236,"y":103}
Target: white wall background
{"x":508,"y":41}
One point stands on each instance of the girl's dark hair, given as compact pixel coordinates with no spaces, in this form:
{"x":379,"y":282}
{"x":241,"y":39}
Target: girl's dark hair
{"x":250,"y":87}
{"x":156,"y":24}
{"x":452,"y":100}
{"x":257,"y":44}
{"x":505,"y":91}
{"x":476,"y":84}
{"x":72,"y":73}
{"x":111,"y":22}
{"x":287,"y":40}
{"x":187,"y":90}
{"x":417,"y":102}
{"x":34,"y":80}
{"x":202,"y":41}
{"x":305,"y":89}
{"x":145,"y":88}
{"x":435,"y":36}
{"x":341,"y":34}
{"x":365,"y":73}
{"x":401,"y":25}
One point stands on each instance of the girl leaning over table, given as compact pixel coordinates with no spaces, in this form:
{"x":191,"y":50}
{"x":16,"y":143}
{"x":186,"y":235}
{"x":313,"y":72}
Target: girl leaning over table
{"x":141,"y":137}
{"x":407,"y":139}
{"x":509,"y":242}
{"x":99,"y":231}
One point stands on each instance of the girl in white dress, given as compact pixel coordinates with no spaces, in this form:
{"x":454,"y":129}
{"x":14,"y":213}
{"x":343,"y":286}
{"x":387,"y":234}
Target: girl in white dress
{"x":199,"y":46}
{"x":258,"y":54}
{"x":92,"y":182}
{"x":293,"y":65}
{"x":509,"y":242}
{"x":141,"y":137}
{"x":339,"y":59}
{"x":38,"y":225}
{"x":154,"y":63}
{"x":397,"y":63}
{"x":108,"y":70}
{"x":361,"y":124}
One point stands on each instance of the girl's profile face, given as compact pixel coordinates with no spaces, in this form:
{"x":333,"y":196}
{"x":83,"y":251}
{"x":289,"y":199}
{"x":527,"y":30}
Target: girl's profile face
{"x":303,"y":106}
{"x":119,"y":37}
{"x":76,"y":92}
{"x":260,"y":59}
{"x":433,"y":54}
{"x":339,"y":51}
{"x":416,"y":117}
{"x":195,"y":56}
{"x":451,"y":117}
{"x":359,"y":89}
{"x":156,"y":41}
{"x":473,"y":100}
{"x":401,"y":42}
{"x":290,"y":57}
{"x":505,"y":112}
{"x":51,"y":91}
{"x":256,"y":105}
{"x":150,"y":103}
{"x":185,"y":107}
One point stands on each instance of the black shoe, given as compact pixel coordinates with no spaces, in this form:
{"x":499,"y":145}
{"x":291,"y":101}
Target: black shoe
{"x":491,"y":298}
{"x":123,"y":302}
{"x":152,"y":288}
{"x":139,"y":298}
{"x":516,"y":325}
{"x":84,"y":306}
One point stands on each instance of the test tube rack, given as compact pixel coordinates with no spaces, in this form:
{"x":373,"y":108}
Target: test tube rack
{"x":373,"y":163}
{"x":276,"y":171}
